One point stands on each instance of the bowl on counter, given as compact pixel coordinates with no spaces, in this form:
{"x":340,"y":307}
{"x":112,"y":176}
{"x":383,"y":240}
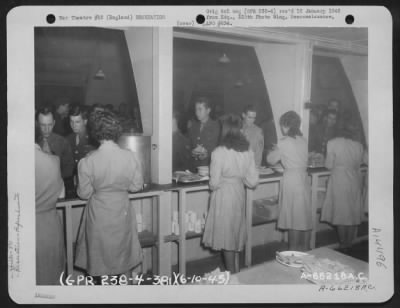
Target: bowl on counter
{"x":203,"y":170}
{"x":277,"y":168}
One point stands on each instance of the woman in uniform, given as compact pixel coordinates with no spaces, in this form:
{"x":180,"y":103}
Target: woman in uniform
{"x":295,"y":205}
{"x":108,"y":242}
{"x":343,"y":202}
{"x":232,"y":167}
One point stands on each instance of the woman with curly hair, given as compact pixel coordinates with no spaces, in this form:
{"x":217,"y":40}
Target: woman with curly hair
{"x":343,"y":201}
{"x":295,"y":205}
{"x":232,"y":167}
{"x":108,"y":242}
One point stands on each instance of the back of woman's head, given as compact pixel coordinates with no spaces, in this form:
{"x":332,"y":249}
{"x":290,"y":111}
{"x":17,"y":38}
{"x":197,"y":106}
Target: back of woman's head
{"x":292,"y":121}
{"x":104,"y":125}
{"x":349,"y":130}
{"x":231,"y":135}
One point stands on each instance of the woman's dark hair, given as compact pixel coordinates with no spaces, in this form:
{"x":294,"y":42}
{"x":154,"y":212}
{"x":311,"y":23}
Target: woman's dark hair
{"x":231,"y":135}
{"x":77,"y":110}
{"x":104,"y":125}
{"x":292,"y":120}
{"x":349,"y":130}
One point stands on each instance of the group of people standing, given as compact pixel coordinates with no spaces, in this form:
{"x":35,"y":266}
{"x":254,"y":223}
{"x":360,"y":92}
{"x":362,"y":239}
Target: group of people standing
{"x":233,"y":158}
{"x":108,"y":242}
{"x":194,"y":149}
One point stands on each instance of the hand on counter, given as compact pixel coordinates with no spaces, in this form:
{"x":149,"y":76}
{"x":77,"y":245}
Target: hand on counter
{"x":200,"y":152}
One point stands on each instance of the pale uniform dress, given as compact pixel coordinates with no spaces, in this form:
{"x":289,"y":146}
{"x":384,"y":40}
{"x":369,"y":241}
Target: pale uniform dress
{"x":108,"y":242}
{"x":295,"y":206}
{"x":50,"y":247}
{"x":230,"y":171}
{"x":343,"y":201}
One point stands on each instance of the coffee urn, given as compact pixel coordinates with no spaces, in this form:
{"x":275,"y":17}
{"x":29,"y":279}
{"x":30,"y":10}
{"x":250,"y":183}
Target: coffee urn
{"x":141,"y":145}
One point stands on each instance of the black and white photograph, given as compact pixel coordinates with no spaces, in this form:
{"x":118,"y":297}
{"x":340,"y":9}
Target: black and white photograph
{"x":200,"y":159}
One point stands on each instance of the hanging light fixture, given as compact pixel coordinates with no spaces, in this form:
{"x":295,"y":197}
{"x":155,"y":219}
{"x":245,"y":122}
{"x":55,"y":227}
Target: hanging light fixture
{"x":224,"y":59}
{"x":99,"y":74}
{"x":239,"y":83}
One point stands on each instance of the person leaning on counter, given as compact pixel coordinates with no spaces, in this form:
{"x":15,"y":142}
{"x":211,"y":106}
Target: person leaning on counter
{"x":203,"y":133}
{"x":53,"y":143}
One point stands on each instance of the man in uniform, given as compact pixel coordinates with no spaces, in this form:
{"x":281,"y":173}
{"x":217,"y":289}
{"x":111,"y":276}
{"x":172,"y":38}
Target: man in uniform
{"x":203,"y":133}
{"x":79,"y":140}
{"x":253,"y":133}
{"x":53,"y":143}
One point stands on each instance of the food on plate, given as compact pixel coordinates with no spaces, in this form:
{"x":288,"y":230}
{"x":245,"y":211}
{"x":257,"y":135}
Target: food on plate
{"x":293,"y":258}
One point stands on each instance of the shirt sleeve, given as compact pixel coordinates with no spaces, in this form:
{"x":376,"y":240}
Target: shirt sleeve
{"x":59,"y":180}
{"x":252,"y":177}
{"x":275,"y":155}
{"x":330,"y":155}
{"x":67,"y":160}
{"x":85,"y":187}
{"x":137,"y":179}
{"x":215,"y":170}
{"x":259,"y":150}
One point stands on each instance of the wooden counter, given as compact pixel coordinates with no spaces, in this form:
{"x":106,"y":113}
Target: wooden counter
{"x":161,"y":236}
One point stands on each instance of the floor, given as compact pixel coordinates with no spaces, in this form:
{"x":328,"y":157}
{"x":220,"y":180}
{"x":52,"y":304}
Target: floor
{"x":266,"y":252}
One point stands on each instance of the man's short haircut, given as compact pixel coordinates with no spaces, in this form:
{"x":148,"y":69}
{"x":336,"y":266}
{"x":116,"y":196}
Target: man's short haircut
{"x":203,"y":100}
{"x":61,"y":101}
{"x":333,"y":112}
{"x":335,"y":100}
{"x":79,"y":110}
{"x":248,"y":108}
{"x":45,"y":110}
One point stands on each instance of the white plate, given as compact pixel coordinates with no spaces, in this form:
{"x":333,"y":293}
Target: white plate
{"x":278,"y":168}
{"x":295,"y":255}
{"x":265,"y":170}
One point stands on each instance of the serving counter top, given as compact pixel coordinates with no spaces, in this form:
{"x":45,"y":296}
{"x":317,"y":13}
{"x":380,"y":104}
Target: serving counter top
{"x":152,"y":188}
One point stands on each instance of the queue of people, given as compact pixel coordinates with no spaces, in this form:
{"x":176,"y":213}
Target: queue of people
{"x":233,"y":147}
{"x":241,"y":144}
{"x":108,"y":242}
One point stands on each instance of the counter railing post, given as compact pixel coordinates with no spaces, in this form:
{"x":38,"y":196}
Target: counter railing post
{"x":314,"y":206}
{"x":155,"y":251}
{"x":249,"y":225}
{"x":164,"y":223}
{"x":182,"y":232}
{"x":68,"y":238}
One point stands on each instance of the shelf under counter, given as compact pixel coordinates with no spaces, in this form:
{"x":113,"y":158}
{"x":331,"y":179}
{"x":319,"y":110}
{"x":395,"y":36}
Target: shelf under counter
{"x":146,"y":238}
